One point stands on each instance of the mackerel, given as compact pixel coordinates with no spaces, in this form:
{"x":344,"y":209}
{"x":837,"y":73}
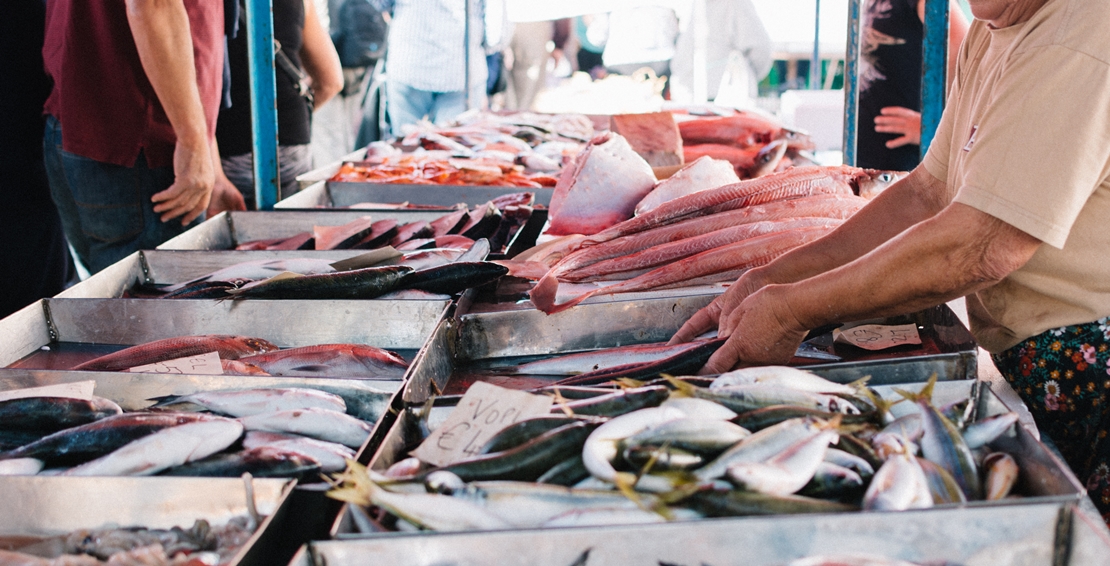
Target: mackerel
{"x":523,"y":431}
{"x":51,"y":414}
{"x":707,"y":437}
{"x":683,"y":362}
{"x":616,"y":403}
{"x":171,"y":447}
{"x":981,"y":433}
{"x":743,"y":503}
{"x":260,"y":462}
{"x":943,"y":444}
{"x":527,"y":461}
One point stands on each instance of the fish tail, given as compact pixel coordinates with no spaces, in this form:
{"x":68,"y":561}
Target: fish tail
{"x":543,"y":295}
{"x":926,"y":393}
{"x":163,"y":400}
{"x":861,"y":383}
{"x":681,"y":388}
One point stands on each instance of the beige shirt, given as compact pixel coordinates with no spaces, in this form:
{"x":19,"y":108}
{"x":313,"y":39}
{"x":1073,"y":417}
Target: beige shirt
{"x":1025,"y":137}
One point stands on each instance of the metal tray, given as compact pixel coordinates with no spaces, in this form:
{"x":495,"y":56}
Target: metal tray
{"x":50,"y":506}
{"x":489,"y":339}
{"x":163,"y":267}
{"x":228,"y":229}
{"x":334,"y":194}
{"x":402,"y":326}
{"x":322,"y":174}
{"x":980,"y":536}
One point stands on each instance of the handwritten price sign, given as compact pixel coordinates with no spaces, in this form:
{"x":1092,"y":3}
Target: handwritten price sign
{"x":482,"y":412}
{"x":877,"y":336}
{"x":204,"y":364}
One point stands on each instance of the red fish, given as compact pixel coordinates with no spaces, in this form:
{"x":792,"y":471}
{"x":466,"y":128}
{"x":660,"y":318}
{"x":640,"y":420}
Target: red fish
{"x":332,"y":360}
{"x":229,"y":347}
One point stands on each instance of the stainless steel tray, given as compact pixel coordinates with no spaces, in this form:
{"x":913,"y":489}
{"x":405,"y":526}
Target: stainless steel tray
{"x":489,"y":339}
{"x":50,"y":506}
{"x":163,"y":267}
{"x":977,"y":536}
{"x":229,"y":229}
{"x":334,"y":194}
{"x":396,"y":325}
{"x":322,"y":174}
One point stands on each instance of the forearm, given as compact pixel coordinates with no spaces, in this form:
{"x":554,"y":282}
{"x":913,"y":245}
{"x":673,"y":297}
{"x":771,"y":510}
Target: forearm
{"x":320,"y":60}
{"x":162,"y":37}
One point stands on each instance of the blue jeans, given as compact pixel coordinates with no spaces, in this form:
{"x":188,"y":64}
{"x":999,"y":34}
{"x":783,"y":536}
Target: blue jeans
{"x":407,"y":105}
{"x":106,"y":209}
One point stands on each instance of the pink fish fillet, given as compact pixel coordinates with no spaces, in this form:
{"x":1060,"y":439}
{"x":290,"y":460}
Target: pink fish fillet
{"x":749,"y":253}
{"x":703,"y":174}
{"x":601,"y":188}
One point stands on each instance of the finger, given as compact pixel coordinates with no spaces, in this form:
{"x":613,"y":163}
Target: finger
{"x":703,"y":321}
{"x":899,"y":142}
{"x":898,"y":111}
{"x":723,"y":359}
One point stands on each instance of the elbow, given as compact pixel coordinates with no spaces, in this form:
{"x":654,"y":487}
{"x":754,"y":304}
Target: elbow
{"x":324,"y":90}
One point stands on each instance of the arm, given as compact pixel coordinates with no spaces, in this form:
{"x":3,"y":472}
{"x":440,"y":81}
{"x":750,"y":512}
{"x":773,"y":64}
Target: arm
{"x":161,"y":32}
{"x":319,"y":58}
{"x":225,"y":196}
{"x":915,"y":198}
{"x":958,"y":252}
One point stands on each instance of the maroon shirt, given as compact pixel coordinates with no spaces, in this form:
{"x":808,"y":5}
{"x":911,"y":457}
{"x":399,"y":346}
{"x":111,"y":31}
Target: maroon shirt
{"x":107,"y":107}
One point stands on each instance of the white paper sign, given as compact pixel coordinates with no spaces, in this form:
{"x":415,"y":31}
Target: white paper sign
{"x":483,"y":411}
{"x":878,"y":336}
{"x":204,"y":364}
{"x":76,"y":390}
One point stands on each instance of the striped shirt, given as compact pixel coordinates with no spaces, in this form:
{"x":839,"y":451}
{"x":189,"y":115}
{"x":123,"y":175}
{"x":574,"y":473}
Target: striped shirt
{"x":426,"y":44}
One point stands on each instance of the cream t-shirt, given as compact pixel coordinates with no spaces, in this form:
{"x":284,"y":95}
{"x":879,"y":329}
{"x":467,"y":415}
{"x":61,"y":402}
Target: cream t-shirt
{"x":1025,"y":137}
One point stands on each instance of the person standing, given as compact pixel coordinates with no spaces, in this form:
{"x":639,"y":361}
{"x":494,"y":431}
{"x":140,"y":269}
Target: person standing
{"x":735,"y":41}
{"x":137,"y":86}
{"x":641,"y":37}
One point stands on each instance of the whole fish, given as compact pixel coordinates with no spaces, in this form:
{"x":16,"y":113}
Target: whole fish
{"x":330,"y":456}
{"x":164,"y":449}
{"x":366,"y":283}
{"x":850,"y":461}
{"x":335,"y":360}
{"x":943,"y":444}
{"x":683,"y":362}
{"x":1001,"y":475}
{"x":433,"y":511}
{"x":831,"y":481}
{"x":899,"y":484}
{"x":942,"y":486}
{"x":229,"y":347}
{"x":527,"y":461}
{"x":616,"y":403}
{"x":707,"y":437}
{"x":784,"y":376}
{"x":454,"y":277}
{"x":258,"y":269}
{"x":246,"y":402}
{"x":760,"y":446}
{"x":565,"y":473}
{"x":759,"y":419}
{"x":529,"y":505}
{"x":321,"y":424}
{"x":260,"y":462}
{"x":86,"y":442}
{"x":602,"y":447}
{"x":574,"y":364}
{"x":737,"y":503}
{"x":700,"y":408}
{"x":741,"y":398}
{"x":522,"y":431}
{"x":51,"y":414}
{"x":790,"y":470}
{"x":982,"y":432}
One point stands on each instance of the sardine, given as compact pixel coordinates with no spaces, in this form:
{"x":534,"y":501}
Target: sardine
{"x":246,"y":402}
{"x":331,"y":360}
{"x":574,"y":364}
{"x":1001,"y":475}
{"x":321,"y":424}
{"x":165,"y":449}
{"x":742,"y":398}
{"x":366,"y":283}
{"x":943,"y":444}
{"x":51,"y":414}
{"x":261,"y":462}
{"x":229,"y":347}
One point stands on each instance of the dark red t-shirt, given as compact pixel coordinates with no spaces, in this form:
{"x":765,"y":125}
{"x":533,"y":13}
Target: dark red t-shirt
{"x":107,"y":107}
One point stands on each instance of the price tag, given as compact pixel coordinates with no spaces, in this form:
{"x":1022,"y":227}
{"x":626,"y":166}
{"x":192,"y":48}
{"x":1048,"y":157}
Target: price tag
{"x":76,"y":390}
{"x":482,"y":412}
{"x":204,"y":364}
{"x":877,"y":336}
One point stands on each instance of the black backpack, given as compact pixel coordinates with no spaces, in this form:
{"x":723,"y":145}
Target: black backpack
{"x":361,"y":35}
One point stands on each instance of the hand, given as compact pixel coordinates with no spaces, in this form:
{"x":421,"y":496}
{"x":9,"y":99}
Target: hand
{"x":225,"y":196}
{"x":191,"y":190}
{"x":709,"y":317}
{"x":898,"y":120}
{"x":760,"y":331}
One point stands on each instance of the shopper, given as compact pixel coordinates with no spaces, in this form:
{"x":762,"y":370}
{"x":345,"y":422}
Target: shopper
{"x":890,"y":81}
{"x":1008,"y":208}
{"x":735,"y":42}
{"x":136,"y":92}
{"x":427,"y":73}
{"x":642,"y":37}
{"x":309,"y":76}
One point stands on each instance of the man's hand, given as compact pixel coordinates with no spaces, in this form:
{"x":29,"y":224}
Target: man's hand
{"x":191,"y":190}
{"x":898,"y":120}
{"x":225,"y":196}
{"x":760,"y":331}
{"x":709,"y":317}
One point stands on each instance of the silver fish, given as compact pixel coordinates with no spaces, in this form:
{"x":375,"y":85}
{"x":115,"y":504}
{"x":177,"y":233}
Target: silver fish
{"x":786,"y":472}
{"x":601,"y":446}
{"x":759,"y":447}
{"x":943,"y":444}
{"x":782,"y":376}
{"x":981,"y":433}
{"x":164,"y":449}
{"x":899,"y":484}
{"x":321,"y":424}
{"x":246,"y":402}
{"x":331,"y":456}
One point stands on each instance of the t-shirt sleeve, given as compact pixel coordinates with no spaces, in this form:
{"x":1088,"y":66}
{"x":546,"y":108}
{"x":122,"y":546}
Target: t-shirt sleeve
{"x":1037,"y":156}
{"x":936,"y":157}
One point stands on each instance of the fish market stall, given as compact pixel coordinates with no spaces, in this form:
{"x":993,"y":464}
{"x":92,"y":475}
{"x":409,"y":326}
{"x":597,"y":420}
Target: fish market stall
{"x":40,"y":512}
{"x":345,"y":194}
{"x":327,"y":171}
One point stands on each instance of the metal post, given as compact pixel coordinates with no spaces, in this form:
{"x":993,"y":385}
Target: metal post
{"x":815,"y":61}
{"x":934,"y":62}
{"x":260,"y":53}
{"x":466,"y":50}
{"x":851,"y":81}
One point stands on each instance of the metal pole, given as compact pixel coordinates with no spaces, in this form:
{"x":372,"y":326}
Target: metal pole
{"x":466,"y":49}
{"x":260,"y":53}
{"x":815,"y":61}
{"x":851,"y":81}
{"x":934,"y":61}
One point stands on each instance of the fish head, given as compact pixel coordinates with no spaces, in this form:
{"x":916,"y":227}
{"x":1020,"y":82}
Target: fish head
{"x":871,"y":182}
{"x":259,"y":345}
{"x":768,"y":158}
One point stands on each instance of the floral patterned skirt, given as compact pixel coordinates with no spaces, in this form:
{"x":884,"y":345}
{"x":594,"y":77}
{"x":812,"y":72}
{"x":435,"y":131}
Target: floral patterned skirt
{"x":1063,"y":375}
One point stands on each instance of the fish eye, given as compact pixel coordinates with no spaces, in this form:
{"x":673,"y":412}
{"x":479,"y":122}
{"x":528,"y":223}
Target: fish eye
{"x":886,"y":177}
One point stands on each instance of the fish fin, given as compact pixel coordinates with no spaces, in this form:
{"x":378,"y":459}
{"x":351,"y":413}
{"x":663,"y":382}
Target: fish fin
{"x":882,"y":406}
{"x":561,"y":402}
{"x":925,"y":394}
{"x":353,"y":485}
{"x":681,"y":388}
{"x":164,"y":400}
{"x":625,"y":483}
{"x":629,"y":383}
{"x":860,"y":384}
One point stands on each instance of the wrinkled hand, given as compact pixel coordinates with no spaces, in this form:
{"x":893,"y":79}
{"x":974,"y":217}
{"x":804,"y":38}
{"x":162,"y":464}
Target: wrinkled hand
{"x":225,"y":196}
{"x":760,"y":331}
{"x":709,"y":317}
{"x":898,"y":120}
{"x":191,"y":190}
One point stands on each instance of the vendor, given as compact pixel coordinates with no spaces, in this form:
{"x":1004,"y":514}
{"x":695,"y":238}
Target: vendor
{"x":1008,"y":209}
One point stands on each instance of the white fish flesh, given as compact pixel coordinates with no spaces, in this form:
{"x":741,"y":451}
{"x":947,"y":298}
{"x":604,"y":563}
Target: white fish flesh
{"x":321,"y":424}
{"x":164,"y":449}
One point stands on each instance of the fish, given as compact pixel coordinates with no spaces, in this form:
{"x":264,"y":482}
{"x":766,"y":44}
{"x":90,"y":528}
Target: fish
{"x":454,"y":277}
{"x":1002,"y":473}
{"x":899,"y":484}
{"x":790,"y":470}
{"x":321,"y":424}
{"x":366,"y":283}
{"x":747,"y":162}
{"x":616,"y":403}
{"x":565,"y":473}
{"x":706,"y":437}
{"x":164,"y":449}
{"x":574,"y":364}
{"x":700,"y":408}
{"x":236,"y":367}
{"x":942,"y":486}
{"x":741,"y":129}
{"x":741,"y":398}
{"x":602,"y":447}
{"x":683,"y":362}
{"x":522,"y":431}
{"x":943,"y":444}
{"x":759,"y":447}
{"x":737,"y":503}
{"x":255,"y":270}
{"x":831,"y":481}
{"x":51,"y":414}
{"x":697,"y":175}
{"x":784,"y":376}
{"x":21,"y":467}
{"x":483,"y":222}
{"x":849,"y":461}
{"x":662,"y":458}
{"x":982,"y":432}
{"x":229,"y":347}
{"x":269,"y":461}
{"x":450,"y":223}
{"x":752,"y":252}
{"x":335,"y":360}
{"x":202,"y":290}
{"x":529,"y":505}
{"x":246,"y":402}
{"x":759,"y":419}
{"x":86,"y":442}
{"x":332,"y":457}
{"x":527,"y":461}
{"x":431,"y":511}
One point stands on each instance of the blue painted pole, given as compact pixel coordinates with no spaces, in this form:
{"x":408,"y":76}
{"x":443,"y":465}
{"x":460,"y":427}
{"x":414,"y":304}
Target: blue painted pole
{"x":934,"y":66}
{"x":851,"y":80}
{"x":260,"y":53}
{"x":815,"y":61}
